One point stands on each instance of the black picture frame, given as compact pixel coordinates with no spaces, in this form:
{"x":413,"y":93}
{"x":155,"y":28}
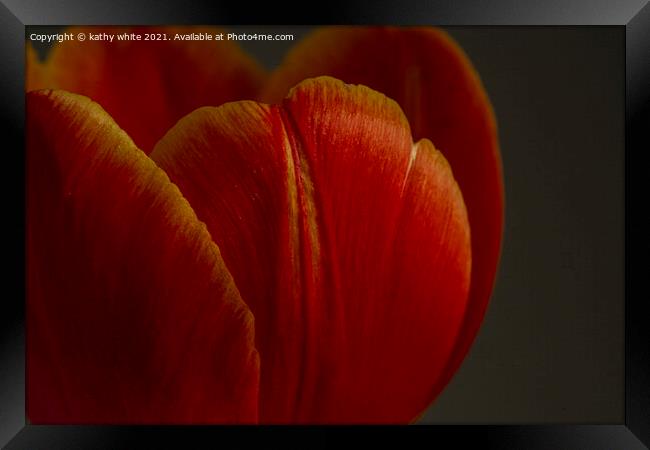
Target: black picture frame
{"x":633,"y":15}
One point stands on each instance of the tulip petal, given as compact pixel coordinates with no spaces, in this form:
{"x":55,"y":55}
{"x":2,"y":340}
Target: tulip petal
{"x":146,"y":86}
{"x":132,"y":316}
{"x":428,"y":74}
{"x":349,"y":243}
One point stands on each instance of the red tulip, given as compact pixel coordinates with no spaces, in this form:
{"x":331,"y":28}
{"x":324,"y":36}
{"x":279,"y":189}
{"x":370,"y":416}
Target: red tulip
{"x":303,"y":261}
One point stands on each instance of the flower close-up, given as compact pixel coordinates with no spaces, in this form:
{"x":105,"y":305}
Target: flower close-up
{"x":209,"y":241}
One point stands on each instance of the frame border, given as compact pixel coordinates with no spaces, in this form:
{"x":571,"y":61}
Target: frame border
{"x":634,"y":15}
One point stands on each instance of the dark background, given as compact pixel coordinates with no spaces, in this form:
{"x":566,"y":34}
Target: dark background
{"x":551,"y":348}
